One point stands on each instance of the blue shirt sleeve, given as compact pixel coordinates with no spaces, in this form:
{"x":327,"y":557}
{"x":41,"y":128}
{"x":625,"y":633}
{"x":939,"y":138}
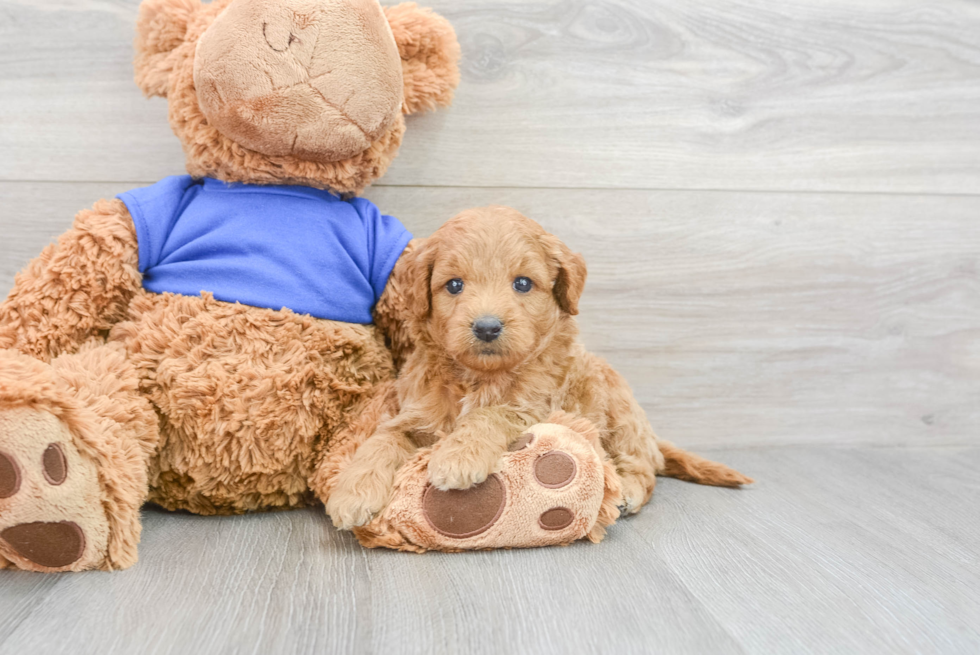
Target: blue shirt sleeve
{"x":154,"y":210}
{"x":387,"y":239}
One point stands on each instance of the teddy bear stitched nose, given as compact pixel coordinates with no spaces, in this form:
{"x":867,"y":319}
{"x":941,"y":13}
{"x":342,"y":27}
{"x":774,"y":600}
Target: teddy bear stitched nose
{"x":270,"y":34}
{"x":282,"y":27}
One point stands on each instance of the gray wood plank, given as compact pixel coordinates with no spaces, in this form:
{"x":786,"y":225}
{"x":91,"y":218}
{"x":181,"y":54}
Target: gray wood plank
{"x":737,"y":94}
{"x":290,"y":583}
{"x":856,"y":551}
{"x":835,"y":550}
{"x":282,"y":582}
{"x":23,"y":593}
{"x":739,"y":318}
{"x":561,"y":601}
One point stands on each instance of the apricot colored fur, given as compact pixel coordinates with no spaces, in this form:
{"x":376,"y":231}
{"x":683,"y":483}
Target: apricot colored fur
{"x":471,"y":399}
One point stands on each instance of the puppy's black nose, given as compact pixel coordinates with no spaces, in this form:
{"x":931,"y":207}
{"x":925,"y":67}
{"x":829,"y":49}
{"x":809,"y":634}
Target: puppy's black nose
{"x":487,"y":328}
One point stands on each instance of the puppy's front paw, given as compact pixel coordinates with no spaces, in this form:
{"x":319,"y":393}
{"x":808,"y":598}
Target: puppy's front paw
{"x":450,"y":468}
{"x":349,"y":510}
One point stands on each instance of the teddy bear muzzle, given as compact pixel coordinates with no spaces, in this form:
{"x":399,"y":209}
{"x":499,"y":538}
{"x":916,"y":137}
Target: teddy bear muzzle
{"x":265,"y":76}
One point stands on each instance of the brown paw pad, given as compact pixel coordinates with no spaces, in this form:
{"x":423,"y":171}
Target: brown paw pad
{"x":557,"y":518}
{"x":55,"y":465}
{"x":462,"y":513}
{"x":9,"y":476}
{"x":554,"y":469}
{"x":522,"y":442}
{"x":53,"y":545}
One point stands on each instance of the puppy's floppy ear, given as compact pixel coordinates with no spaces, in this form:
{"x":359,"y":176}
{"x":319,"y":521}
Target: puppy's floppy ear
{"x":418,"y":292}
{"x":160,"y":27}
{"x":570,"y":281}
{"x":430,"y":56}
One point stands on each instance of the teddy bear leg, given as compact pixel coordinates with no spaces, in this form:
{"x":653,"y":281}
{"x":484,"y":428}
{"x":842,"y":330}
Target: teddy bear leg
{"x":75,"y":438}
{"x":553,"y":486}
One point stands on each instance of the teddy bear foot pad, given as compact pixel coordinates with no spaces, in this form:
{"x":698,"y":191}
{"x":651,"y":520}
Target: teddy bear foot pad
{"x":548,"y":491}
{"x":51,"y":517}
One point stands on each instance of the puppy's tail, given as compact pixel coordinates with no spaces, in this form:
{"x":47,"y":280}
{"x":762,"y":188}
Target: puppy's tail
{"x":687,"y":466}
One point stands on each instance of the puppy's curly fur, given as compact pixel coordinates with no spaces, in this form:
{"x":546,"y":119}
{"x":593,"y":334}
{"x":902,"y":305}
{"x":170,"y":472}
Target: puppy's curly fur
{"x":472,"y":397}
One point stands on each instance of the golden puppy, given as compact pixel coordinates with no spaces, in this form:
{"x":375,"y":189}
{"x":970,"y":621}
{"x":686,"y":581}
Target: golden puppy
{"x":496,"y":351}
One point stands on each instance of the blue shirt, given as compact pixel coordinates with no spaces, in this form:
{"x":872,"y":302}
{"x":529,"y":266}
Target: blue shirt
{"x":267,"y":246}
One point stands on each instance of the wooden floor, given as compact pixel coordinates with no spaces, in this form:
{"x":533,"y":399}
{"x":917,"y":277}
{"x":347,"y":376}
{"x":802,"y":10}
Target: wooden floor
{"x":836,"y":550}
{"x":780,"y":207}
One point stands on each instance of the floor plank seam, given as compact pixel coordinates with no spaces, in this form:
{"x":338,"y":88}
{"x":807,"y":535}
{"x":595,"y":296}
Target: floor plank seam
{"x":733,"y":190}
{"x":833,"y":446}
{"x":679,"y":579}
{"x":37,"y":601}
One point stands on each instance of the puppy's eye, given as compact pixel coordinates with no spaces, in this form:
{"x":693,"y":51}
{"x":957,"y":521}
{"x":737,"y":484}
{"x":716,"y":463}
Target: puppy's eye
{"x":523,"y":285}
{"x":455,"y":286}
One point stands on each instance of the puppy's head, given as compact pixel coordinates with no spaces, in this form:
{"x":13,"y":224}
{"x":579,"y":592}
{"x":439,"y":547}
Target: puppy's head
{"x":491,"y":288}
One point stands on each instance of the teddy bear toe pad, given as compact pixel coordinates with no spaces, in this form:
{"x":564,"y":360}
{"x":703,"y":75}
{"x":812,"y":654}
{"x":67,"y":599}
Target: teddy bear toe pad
{"x":52,"y":545}
{"x":462,"y":513}
{"x":51,"y":515}
{"x":554,"y":469}
{"x":548,"y":491}
{"x":9,"y":476}
{"x":557,"y":518}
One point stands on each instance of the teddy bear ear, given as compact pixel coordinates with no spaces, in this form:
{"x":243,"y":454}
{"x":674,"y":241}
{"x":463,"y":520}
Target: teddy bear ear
{"x":430,"y":56}
{"x":160,"y":27}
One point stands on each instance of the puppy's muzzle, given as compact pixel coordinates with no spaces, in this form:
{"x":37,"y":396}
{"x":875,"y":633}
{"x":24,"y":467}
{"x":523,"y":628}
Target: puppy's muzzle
{"x":487,"y":328}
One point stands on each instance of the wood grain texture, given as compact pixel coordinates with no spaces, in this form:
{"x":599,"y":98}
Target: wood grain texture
{"x":851,"y":550}
{"x":835,"y":550}
{"x":737,"y":94}
{"x":738,"y":318}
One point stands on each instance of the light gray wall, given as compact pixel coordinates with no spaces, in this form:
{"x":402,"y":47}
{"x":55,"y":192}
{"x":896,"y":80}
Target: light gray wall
{"x":778,"y":201}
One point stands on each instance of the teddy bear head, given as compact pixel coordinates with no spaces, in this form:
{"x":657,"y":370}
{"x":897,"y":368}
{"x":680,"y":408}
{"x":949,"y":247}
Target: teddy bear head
{"x":310,"y":92}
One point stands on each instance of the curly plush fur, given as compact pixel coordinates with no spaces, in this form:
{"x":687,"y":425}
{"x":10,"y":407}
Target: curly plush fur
{"x":76,"y":288}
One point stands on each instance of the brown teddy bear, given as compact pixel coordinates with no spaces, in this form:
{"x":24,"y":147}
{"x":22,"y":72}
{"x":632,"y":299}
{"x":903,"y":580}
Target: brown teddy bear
{"x":207,"y":342}
{"x":120,"y":381}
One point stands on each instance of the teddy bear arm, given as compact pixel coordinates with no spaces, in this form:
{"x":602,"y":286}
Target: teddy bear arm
{"x":76,"y":288}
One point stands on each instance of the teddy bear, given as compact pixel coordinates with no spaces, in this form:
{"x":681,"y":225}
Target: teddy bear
{"x":206,"y":343}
